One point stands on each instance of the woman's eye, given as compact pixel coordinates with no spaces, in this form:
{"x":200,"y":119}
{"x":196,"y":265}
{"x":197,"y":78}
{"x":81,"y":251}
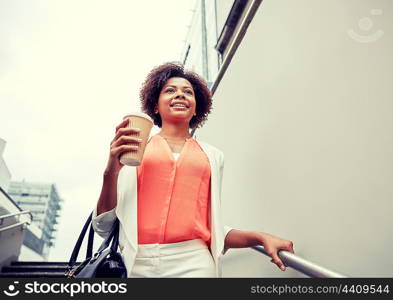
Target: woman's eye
{"x":170,"y":90}
{"x":189,"y":92}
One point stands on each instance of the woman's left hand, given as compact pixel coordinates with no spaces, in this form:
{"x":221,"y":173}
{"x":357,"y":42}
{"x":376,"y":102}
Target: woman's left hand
{"x":273,"y":245}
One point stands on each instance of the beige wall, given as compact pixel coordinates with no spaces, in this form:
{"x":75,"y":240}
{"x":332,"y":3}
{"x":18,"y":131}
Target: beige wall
{"x":304,"y":117}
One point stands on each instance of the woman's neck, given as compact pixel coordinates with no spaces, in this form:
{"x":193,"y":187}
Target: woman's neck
{"x":175,"y":131}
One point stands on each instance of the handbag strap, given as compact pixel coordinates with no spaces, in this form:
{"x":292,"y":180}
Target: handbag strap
{"x":78,"y":244}
{"x":115,"y":242}
{"x":90,"y":239}
{"x":113,"y":236}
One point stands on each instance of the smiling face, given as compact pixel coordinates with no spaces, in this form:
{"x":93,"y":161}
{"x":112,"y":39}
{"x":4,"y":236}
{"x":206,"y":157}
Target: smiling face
{"x":176,"y":101}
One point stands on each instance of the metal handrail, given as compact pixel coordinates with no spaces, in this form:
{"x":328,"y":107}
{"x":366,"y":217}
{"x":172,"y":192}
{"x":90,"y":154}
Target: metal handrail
{"x":17,"y":214}
{"x":300,"y":264}
{"x":13,"y":226}
{"x":9,"y":198}
{"x":21,"y":211}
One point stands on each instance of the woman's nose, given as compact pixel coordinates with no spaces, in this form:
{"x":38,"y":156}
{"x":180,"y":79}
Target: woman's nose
{"x":179,"y":94}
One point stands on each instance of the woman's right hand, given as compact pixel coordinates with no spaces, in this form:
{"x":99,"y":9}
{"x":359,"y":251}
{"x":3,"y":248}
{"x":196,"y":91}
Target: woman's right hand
{"x":123,"y":141}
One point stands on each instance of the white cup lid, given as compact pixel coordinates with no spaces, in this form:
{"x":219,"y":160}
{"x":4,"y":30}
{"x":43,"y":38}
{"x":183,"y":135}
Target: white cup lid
{"x":139,"y":114}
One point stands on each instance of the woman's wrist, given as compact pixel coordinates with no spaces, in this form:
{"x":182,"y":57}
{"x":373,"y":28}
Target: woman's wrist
{"x":112,"y":168}
{"x":110,"y":174}
{"x":258,"y":238}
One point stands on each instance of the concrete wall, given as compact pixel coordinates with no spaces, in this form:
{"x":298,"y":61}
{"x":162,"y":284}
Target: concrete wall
{"x":10,"y":239}
{"x":304,"y":117}
{"x":5,"y":175}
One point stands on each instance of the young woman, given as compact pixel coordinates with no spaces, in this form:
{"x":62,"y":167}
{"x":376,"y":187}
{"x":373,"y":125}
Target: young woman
{"x":169,"y":206}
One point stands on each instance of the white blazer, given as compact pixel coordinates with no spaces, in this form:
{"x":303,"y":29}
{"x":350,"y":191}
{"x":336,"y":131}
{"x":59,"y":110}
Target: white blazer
{"x":126,"y":211}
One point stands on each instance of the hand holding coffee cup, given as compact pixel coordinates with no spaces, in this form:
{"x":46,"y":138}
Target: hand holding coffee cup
{"x":128,"y":145}
{"x":138,"y":126}
{"x":126,"y":139}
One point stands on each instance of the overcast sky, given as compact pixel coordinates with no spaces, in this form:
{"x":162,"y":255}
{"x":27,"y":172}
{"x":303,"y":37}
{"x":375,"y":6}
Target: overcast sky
{"x":69,"y":71}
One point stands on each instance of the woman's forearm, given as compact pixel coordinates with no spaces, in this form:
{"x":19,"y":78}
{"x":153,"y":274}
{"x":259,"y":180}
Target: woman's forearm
{"x":242,"y":239}
{"x":108,"y":196}
{"x":273,"y":244}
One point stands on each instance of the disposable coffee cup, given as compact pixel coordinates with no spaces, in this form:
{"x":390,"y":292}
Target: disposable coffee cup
{"x":145,"y":124}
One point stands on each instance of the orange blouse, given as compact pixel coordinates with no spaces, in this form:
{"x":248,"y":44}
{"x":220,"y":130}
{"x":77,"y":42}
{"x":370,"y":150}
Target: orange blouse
{"x":173,"y":195}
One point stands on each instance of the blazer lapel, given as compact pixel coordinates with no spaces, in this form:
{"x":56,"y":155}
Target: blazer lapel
{"x":126,"y":209}
{"x":127,"y":200}
{"x":217,"y":235}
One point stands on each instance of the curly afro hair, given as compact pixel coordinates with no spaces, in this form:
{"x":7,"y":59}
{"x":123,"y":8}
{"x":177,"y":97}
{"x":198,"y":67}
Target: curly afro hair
{"x":157,"y":78}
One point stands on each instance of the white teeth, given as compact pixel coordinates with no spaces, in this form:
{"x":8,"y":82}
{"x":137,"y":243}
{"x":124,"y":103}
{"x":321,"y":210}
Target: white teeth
{"x":179,"y":105}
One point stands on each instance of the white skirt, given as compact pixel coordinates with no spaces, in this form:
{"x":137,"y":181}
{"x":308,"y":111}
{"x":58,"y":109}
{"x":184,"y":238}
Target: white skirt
{"x":183,"y":259}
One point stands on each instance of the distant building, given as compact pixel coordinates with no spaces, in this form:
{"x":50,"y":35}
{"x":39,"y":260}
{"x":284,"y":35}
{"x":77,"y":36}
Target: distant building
{"x":43,"y":200}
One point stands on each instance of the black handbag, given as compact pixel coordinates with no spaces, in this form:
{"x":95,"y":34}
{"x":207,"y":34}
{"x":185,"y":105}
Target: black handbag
{"x":106,"y":262}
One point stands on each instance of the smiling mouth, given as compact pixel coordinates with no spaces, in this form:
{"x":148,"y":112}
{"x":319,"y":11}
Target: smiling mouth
{"x":179,"y":106}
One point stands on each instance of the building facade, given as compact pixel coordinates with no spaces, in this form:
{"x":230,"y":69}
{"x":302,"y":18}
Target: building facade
{"x":44,"y":203}
{"x":199,"y":53}
{"x":211,"y":31}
